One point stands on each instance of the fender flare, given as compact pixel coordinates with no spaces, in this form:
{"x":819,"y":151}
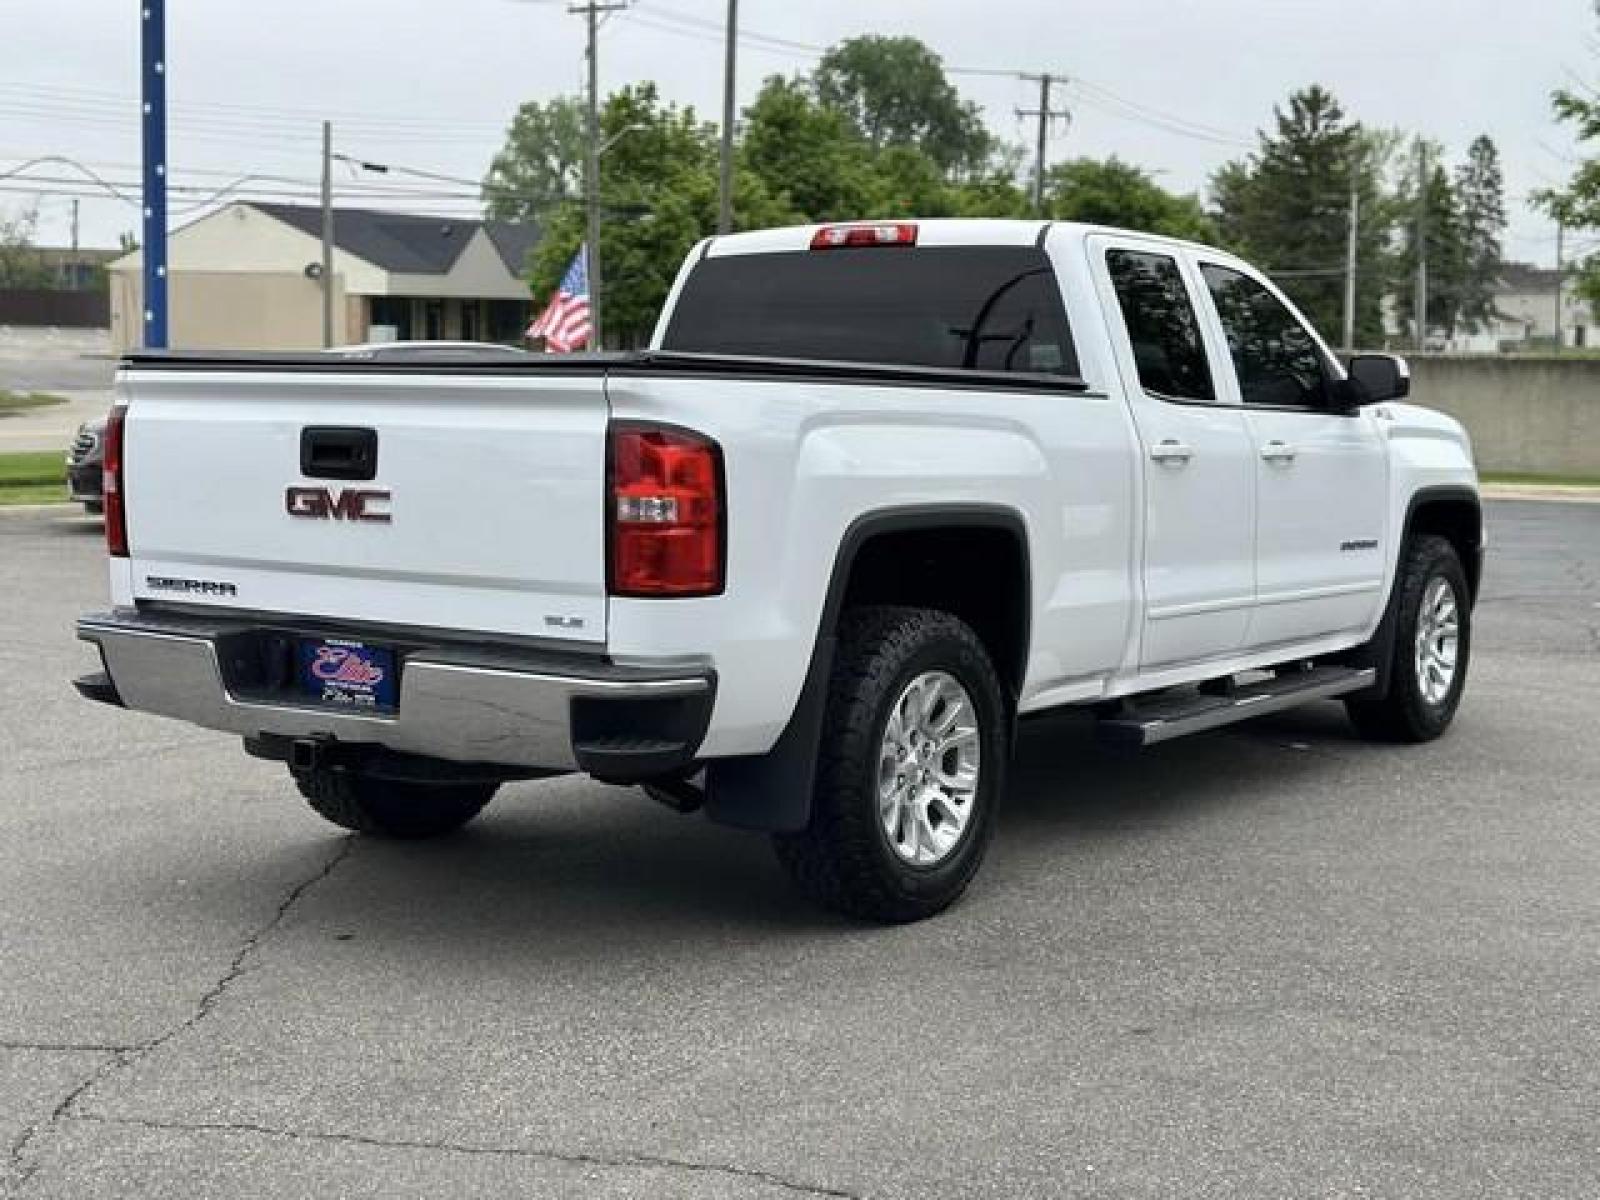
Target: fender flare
{"x":1379,"y":652}
{"x":772,"y":791}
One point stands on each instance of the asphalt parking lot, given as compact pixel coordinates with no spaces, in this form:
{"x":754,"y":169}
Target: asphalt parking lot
{"x":1271,"y":962}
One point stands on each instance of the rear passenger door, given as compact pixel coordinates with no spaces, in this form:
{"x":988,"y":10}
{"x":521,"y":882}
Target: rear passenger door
{"x":1199,"y":476}
{"x":1321,"y":475}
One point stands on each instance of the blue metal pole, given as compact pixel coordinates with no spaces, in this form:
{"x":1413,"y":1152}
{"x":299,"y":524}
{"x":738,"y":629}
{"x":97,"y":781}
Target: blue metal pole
{"x":153,"y":72}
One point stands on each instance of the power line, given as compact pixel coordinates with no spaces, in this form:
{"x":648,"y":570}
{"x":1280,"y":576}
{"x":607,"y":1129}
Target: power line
{"x":1098,"y":95}
{"x":98,"y":185}
{"x":237,"y":114}
{"x":218,"y":120}
{"x":93,"y":176}
{"x":220,"y":132}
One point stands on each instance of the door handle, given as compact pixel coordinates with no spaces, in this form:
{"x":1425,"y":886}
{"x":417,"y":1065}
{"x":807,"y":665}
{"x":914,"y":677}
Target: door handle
{"x":1276,"y":451}
{"x":1168,"y":450}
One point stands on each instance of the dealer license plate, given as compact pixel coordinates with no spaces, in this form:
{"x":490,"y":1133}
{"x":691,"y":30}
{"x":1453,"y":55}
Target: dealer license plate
{"x":346,"y":674}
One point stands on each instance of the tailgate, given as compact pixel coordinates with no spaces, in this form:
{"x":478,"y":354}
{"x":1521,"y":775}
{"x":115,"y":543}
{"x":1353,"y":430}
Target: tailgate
{"x":483,"y":511}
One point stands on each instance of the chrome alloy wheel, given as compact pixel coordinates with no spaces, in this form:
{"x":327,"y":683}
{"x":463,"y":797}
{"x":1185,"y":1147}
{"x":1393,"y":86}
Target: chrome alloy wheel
{"x":928,"y":769}
{"x":1438,"y":634}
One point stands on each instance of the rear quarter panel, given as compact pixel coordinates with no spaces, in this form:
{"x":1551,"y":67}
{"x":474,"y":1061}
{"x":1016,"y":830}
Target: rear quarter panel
{"x":805,"y":460}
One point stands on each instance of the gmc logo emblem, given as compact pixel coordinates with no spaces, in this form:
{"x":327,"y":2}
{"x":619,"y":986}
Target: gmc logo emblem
{"x":347,"y":504}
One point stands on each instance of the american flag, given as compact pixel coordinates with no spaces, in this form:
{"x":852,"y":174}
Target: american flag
{"x":564,"y":325}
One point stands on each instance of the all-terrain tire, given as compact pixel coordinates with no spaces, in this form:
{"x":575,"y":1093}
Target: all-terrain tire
{"x":1404,"y":712}
{"x":387,"y":808}
{"x":843,"y":859}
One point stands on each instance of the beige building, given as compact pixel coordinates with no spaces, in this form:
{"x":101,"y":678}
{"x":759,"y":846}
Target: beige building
{"x":246,"y":277}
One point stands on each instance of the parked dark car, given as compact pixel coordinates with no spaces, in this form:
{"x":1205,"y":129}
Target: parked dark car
{"x":84,"y":461}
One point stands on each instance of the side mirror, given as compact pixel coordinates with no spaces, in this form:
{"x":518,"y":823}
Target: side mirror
{"x":1380,"y":377}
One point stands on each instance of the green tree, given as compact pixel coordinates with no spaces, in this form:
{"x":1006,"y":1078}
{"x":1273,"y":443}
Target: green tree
{"x":1445,"y":238}
{"x":1577,"y":205}
{"x":1480,"y":189}
{"x":1112,"y":192}
{"x":993,"y":195}
{"x":807,"y":153}
{"x":20,"y":264}
{"x":1286,"y":208}
{"x":658,"y":193}
{"x":894,"y":91}
{"x":541,"y":164}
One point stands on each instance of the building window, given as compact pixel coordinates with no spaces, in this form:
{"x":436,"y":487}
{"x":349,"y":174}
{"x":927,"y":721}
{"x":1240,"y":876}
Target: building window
{"x":389,"y":319}
{"x":508,"y":319}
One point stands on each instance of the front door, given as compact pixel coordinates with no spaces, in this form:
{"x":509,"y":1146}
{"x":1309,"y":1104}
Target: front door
{"x":1199,"y":529}
{"x":1322,"y":477}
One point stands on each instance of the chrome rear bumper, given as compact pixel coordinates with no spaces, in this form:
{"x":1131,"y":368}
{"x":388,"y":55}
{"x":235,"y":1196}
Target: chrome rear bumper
{"x":468,"y":704}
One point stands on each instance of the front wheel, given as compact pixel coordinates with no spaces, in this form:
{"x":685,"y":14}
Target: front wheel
{"x":1432,"y":646}
{"x":389,"y":808}
{"x":911,"y":767}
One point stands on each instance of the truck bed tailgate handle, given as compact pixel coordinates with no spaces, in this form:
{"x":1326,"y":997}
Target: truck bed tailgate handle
{"x":338,"y":452}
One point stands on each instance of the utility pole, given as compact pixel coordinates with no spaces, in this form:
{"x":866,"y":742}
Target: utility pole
{"x":1352,"y":241}
{"x":327,"y":234}
{"x":153,"y":82}
{"x":725,"y":184}
{"x":1561,"y":230}
{"x":1419,"y":300}
{"x":1045,"y":114}
{"x":72,"y":264}
{"x":592,"y":10}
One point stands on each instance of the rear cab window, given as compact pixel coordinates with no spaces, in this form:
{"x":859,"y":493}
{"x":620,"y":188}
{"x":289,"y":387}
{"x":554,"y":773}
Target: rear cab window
{"x":988,"y":308}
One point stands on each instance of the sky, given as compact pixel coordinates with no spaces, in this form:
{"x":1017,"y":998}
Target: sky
{"x":1176,"y":86}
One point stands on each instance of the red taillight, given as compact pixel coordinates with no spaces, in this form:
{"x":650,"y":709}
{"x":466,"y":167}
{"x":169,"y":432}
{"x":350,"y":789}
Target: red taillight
{"x":832,"y":237}
{"x":116,"y":514}
{"x":666,"y":512}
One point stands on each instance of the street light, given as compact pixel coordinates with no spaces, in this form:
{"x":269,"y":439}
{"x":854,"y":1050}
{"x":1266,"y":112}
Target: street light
{"x":620,"y":134}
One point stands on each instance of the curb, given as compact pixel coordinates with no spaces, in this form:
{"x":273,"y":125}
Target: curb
{"x":60,"y":507}
{"x":1546,"y":493}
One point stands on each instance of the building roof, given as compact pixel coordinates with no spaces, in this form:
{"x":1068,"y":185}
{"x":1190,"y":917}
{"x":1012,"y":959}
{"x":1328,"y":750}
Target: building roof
{"x":405,"y":243}
{"x":514,"y":242}
{"x":1515,"y":277}
{"x":56,"y":256}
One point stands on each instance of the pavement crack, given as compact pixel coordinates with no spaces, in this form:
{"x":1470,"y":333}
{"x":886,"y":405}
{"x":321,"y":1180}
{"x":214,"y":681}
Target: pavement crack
{"x":65,"y":1047}
{"x":618,"y":1161}
{"x":98,"y":758}
{"x":20,"y":1161}
{"x":236,"y":968}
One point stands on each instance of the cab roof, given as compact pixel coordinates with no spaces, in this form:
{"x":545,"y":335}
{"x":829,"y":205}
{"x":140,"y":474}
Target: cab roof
{"x":935,"y":231}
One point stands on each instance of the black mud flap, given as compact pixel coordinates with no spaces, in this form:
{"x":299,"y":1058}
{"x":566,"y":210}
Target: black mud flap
{"x":772,"y":792}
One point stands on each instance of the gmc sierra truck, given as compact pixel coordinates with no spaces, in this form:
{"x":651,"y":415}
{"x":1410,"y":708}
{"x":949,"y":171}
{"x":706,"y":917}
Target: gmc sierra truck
{"x":873,"y":493}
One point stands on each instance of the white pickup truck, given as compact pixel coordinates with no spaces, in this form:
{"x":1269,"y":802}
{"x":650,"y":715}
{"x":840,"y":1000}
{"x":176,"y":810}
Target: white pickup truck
{"x":874,"y":493}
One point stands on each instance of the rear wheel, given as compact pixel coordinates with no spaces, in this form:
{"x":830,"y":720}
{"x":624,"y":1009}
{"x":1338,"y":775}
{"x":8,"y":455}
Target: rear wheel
{"x":388,"y":808}
{"x":913,"y":756}
{"x":1432,"y":646}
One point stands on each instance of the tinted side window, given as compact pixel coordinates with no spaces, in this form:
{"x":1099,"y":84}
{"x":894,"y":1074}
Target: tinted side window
{"x":1161,"y":325}
{"x":1277,"y":361}
{"x":995,"y":308}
